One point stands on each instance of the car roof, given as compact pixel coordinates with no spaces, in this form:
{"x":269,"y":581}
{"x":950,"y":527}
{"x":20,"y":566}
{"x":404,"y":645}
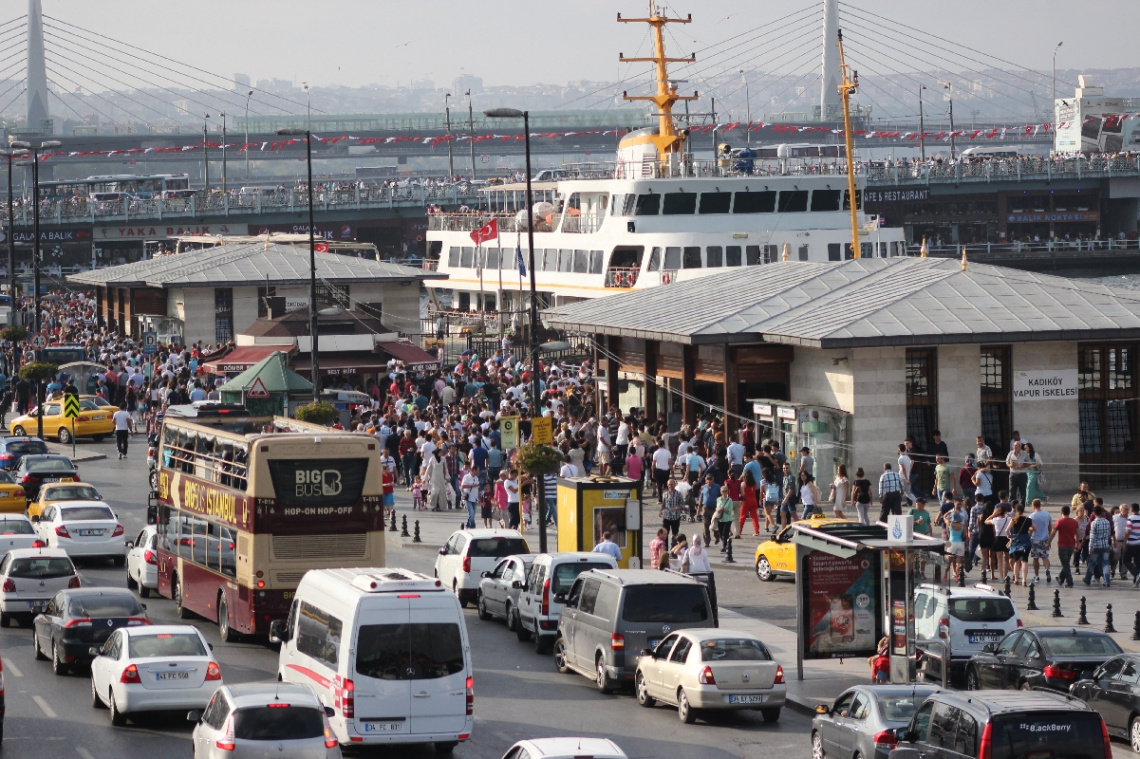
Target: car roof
{"x":585,"y":747}
{"x":895,"y":691}
{"x":54,"y":485}
{"x":1048,"y":631}
{"x":574,"y":556}
{"x":14,"y":518}
{"x":260,"y":694}
{"x":31,"y":457}
{"x":25,"y":553}
{"x":162,"y":630}
{"x":642,"y":577}
{"x":21,"y":439}
{"x":101,"y":590}
{"x":712,"y":633}
{"x":996,"y":702}
{"x":80,"y":503}
{"x":976,"y":591}
{"x":488,"y":533}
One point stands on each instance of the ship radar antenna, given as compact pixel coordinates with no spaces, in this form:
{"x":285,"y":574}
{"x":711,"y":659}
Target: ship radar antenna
{"x":668,"y":139}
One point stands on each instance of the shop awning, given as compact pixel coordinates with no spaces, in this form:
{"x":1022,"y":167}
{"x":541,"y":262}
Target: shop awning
{"x":411,"y":354}
{"x":347,"y":362}
{"x":243,"y":357}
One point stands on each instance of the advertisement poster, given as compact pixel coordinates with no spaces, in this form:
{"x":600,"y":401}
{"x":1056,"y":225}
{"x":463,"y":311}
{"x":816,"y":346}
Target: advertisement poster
{"x":841,"y":606}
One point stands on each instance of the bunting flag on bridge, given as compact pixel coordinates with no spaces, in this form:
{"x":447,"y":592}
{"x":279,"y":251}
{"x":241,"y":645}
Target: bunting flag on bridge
{"x":1001,"y":132}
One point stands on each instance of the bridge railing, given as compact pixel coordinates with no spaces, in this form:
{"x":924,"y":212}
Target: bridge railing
{"x":217,"y":203}
{"x":1005,"y":170}
{"x":1044,"y":248}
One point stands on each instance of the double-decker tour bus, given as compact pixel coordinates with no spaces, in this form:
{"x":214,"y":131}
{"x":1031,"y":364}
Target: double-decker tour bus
{"x":243,"y":511}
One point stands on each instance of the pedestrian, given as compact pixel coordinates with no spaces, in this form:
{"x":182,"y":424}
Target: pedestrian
{"x":709,"y":494}
{"x":891,"y":487}
{"x":724,"y":515}
{"x":1132,"y":545}
{"x":388,"y":487}
{"x":512,"y":486}
{"x":1065,"y":532}
{"x":1020,"y":538}
{"x":984,"y":482}
{"x":1100,"y":547}
{"x":499,"y":509}
{"x":1035,"y":478}
{"x":438,"y":480}
{"x":999,"y":550}
{"x":1039,"y":534}
{"x":658,"y":546}
{"x":943,"y":480}
{"x":966,"y":479}
{"x":880,"y":663}
{"x":840,"y":488}
{"x":1017,"y":460}
{"x":957,"y":533}
{"x":124,"y":428}
{"x":469,"y":485}
{"x":748,"y":504}
{"x":861,"y":496}
{"x":672,"y":509}
{"x":791,"y":490}
{"x":1119,"y":537}
{"x":696,"y":558}
{"x":608,"y":546}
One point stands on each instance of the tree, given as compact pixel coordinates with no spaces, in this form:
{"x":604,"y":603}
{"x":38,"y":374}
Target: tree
{"x":318,"y":413}
{"x":41,"y":371}
{"x":538,"y":459}
{"x":13,"y":334}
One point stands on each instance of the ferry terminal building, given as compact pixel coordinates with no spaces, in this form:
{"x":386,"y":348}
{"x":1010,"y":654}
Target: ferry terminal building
{"x":850,"y":358}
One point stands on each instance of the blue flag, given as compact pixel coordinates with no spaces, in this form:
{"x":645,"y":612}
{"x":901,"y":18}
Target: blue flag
{"x":519,"y":259}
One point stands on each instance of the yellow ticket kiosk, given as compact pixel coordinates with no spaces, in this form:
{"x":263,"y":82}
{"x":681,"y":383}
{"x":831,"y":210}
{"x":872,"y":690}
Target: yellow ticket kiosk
{"x":591,"y":506}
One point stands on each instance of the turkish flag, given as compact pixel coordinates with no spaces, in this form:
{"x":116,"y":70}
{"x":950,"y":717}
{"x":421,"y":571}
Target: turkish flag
{"x":489,"y":231}
{"x":321,"y":247}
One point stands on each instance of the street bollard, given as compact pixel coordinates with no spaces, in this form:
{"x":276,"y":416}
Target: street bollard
{"x":1108,"y":628}
{"x":416,"y":537}
{"x":393,"y":527}
{"x":1032,"y":605}
{"x":1136,"y":627}
{"x":728,"y":552}
{"x":404,"y":524}
{"x":1008,"y":587}
{"x":1083,"y":617}
{"x":1057,"y":604}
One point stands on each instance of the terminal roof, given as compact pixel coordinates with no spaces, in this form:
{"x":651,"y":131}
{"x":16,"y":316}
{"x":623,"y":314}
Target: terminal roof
{"x":862,"y":303}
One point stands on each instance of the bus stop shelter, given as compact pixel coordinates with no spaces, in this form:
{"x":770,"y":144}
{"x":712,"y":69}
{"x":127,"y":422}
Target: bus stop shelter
{"x":855,"y":585}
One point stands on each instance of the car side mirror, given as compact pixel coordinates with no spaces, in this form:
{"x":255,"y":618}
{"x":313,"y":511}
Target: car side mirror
{"x":36,"y":519}
{"x":95,"y":651}
{"x":330,"y":712}
{"x":989,"y":648}
{"x":277,"y":631}
{"x":484,"y":574}
{"x":560,"y":598}
{"x":130,"y":545}
{"x":211,"y":645}
{"x":822,"y":709}
{"x":194,"y":715}
{"x":517,"y":584}
{"x":443,"y":551}
{"x":142,"y":606}
{"x":903,"y":734}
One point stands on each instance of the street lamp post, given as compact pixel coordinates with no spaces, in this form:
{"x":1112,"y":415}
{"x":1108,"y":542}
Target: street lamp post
{"x":11,"y":154}
{"x":471,"y":129}
{"x":536,"y":405}
{"x":35,"y":151}
{"x":950,"y":98}
{"x":248,"y":95}
{"x":450,"y":158}
{"x":206,"y":157}
{"x":314,"y":352}
{"x":1055,"y":51}
{"x":748,"y":110}
{"x":223,"y":153}
{"x":308,"y":108}
{"x":921,"y":125}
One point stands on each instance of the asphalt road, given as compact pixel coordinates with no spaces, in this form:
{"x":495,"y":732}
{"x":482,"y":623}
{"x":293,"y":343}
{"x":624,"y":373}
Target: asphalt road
{"x":518,"y":694}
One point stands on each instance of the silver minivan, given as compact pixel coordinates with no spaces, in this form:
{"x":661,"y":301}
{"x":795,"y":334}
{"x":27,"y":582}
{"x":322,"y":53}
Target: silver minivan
{"x":611,"y":615}
{"x":550,"y":576}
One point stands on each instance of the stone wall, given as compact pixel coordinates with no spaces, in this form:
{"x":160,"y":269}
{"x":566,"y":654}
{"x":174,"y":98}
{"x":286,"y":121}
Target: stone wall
{"x":959,"y":399}
{"x":1051,"y":425}
{"x":880,"y":407}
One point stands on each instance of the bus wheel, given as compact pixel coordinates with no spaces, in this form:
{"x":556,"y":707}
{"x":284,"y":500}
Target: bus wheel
{"x":225,"y":632}
{"x":180,"y":611}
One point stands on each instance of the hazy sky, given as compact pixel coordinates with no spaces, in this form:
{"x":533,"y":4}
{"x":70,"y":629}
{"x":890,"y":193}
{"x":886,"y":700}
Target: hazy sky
{"x":358,"y":42}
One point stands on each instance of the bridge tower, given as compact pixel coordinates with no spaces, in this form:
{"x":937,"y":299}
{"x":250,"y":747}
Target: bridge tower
{"x":38,"y":115}
{"x":829,"y":106}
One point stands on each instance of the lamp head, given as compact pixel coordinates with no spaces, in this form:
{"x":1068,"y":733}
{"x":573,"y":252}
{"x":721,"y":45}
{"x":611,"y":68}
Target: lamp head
{"x":20,"y":144}
{"x":504,"y":113}
{"x":291,"y":132}
{"x":50,"y":144}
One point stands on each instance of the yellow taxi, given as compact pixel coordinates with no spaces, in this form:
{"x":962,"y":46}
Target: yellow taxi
{"x":57,"y":492}
{"x":94,"y":421}
{"x":776,"y":557}
{"x":12,"y":500}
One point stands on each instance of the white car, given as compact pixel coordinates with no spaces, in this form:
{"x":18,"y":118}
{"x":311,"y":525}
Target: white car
{"x":467,"y":554}
{"x":30,"y":577}
{"x":565,"y":748}
{"x":142,"y":562}
{"x":255,"y":720}
{"x":963,"y":620}
{"x":153,"y":668}
{"x":84,"y":529}
{"x":17,"y":531}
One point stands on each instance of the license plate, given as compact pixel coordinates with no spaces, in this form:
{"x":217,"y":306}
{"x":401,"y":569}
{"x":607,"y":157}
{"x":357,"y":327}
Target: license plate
{"x":37,"y":605}
{"x":51,"y":479}
{"x":384,"y":727}
{"x":747,"y":699}
{"x":66,"y":479}
{"x":90,"y":533}
{"x":171,"y":675}
{"x":99,"y":417}
{"x":986,"y":638}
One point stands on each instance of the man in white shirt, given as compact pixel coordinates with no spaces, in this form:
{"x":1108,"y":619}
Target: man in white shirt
{"x":470,"y":488}
{"x":736,"y":453}
{"x":662,"y":462}
{"x":603,"y":450}
{"x":124,"y":427}
{"x":905,"y":465}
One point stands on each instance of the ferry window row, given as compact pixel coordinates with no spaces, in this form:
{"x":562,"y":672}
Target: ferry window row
{"x":545,"y":259}
{"x":717,"y":256}
{"x":742,"y":202}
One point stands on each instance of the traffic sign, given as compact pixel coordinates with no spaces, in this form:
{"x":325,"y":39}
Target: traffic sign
{"x":542,"y":430}
{"x":150,"y":342}
{"x":71,"y":406}
{"x":257,"y":389}
{"x":509,"y":432}
{"x":39,"y":342}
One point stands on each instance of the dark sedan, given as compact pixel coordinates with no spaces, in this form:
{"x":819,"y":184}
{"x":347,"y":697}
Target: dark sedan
{"x":77,"y":619}
{"x":12,"y":449}
{"x":1114,"y":691}
{"x":1049,"y":657}
{"x":34,"y":470}
{"x":863,"y":720}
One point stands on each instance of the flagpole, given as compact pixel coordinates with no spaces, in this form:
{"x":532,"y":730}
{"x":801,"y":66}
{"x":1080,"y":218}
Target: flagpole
{"x":479,"y":264}
{"x":499,"y":299}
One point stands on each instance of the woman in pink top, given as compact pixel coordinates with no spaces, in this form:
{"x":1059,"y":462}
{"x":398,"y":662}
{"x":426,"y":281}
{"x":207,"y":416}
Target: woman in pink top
{"x":501,"y":496}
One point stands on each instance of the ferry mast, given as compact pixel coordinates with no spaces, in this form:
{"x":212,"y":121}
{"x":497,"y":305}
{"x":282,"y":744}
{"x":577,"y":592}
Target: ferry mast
{"x":667,"y":140}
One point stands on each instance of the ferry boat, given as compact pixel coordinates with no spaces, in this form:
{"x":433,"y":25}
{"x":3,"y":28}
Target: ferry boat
{"x":660,"y":216}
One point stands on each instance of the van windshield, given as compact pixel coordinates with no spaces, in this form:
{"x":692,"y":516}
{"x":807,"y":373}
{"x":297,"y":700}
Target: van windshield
{"x":565,"y":574}
{"x":496,"y":548}
{"x":665,"y":603}
{"x":981,"y":609}
{"x":409,"y":652}
{"x":1065,"y":735}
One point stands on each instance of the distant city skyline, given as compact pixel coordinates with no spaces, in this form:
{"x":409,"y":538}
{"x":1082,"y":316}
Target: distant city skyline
{"x":361,"y":42}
